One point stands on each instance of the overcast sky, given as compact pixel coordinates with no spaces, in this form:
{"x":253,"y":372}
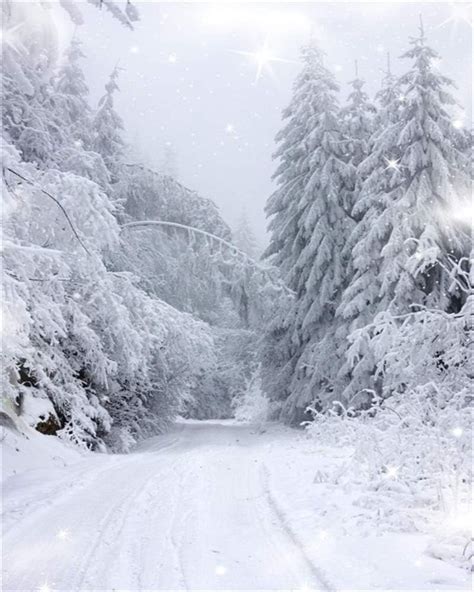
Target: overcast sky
{"x":190,"y":77}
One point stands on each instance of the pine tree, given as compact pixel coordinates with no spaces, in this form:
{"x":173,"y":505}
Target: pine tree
{"x":126,"y":16}
{"x":70,"y":96}
{"x":244,"y":237}
{"x":108,"y":125}
{"x":358,"y":120}
{"x":72,"y":134}
{"x":25,"y":99}
{"x":359,"y":299}
{"x":309,"y":228}
{"x":437,"y":178}
{"x":414,"y":177}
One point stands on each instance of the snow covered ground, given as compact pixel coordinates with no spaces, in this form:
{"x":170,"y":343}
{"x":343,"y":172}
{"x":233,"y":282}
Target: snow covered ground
{"x":208,"y":506}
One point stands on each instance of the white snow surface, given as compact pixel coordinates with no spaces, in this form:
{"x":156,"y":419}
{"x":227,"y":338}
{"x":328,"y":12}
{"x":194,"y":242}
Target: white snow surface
{"x":208,"y":506}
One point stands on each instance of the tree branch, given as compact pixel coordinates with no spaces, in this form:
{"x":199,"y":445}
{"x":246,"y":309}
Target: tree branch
{"x":61,"y":207}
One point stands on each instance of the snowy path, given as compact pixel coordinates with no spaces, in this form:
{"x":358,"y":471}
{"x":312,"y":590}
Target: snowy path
{"x":191,"y":510}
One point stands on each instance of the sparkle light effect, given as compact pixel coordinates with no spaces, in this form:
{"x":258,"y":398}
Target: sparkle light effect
{"x":10,"y":38}
{"x":172,"y":58}
{"x":264,"y":58}
{"x":220,"y":570}
{"x":457,"y":432}
{"x":63,"y":534}
{"x":392,"y":163}
{"x":458,"y":123}
{"x":460,"y":14}
{"x":44,"y":588}
{"x":230,"y":128}
{"x":391,"y":472}
{"x":464,"y":212}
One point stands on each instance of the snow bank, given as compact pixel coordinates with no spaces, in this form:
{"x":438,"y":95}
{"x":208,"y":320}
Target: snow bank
{"x":356,"y":535}
{"x":33,"y":469}
{"x":28,"y":450}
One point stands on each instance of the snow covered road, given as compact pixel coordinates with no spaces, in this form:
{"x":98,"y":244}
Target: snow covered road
{"x":208,"y":506}
{"x":190,"y":510}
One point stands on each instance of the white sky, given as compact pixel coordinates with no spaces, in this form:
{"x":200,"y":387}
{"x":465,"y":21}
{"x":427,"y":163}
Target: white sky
{"x":184,"y":82}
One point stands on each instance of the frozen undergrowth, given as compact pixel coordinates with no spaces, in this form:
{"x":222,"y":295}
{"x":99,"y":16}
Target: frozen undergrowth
{"x":408,"y":469}
{"x":253,"y":407}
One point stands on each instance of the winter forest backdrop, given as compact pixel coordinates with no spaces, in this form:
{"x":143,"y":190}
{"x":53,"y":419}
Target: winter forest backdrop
{"x":129,"y":300}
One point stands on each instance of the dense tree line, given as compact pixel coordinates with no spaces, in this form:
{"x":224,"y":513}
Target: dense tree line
{"x":371,"y":231}
{"x":107,"y":334}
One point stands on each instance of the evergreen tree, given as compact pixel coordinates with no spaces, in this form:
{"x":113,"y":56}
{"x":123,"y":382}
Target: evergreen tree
{"x":357,"y":307}
{"x":70,"y":96}
{"x":25,"y":98}
{"x":244,"y":238}
{"x":309,"y":228}
{"x":415,"y":177}
{"x":126,"y":16}
{"x":434,"y":183}
{"x":108,"y":125}
{"x":72,"y":115}
{"x":358,"y":120}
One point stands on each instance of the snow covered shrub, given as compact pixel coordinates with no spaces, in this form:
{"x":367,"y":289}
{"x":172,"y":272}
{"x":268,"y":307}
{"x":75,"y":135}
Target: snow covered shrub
{"x":120,"y":439}
{"x":253,"y":406}
{"x":429,"y":348}
{"x":411,"y":461}
{"x":412,"y":446}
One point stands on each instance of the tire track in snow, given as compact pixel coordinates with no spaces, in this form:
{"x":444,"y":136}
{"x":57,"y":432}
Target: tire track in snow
{"x":180,"y":517}
{"x":276,"y":510}
{"x":144,"y":510}
{"x":125,"y":508}
{"x":139,"y":515}
{"x":125,"y":512}
{"x":61,"y":490}
{"x":103,"y":535}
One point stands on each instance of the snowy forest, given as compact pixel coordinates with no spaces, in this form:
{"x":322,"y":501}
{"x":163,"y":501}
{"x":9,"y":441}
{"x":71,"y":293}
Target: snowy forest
{"x":130,"y":306}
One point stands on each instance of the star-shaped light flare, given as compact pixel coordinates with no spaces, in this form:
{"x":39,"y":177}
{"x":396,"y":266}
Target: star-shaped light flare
{"x":263,"y":57}
{"x":392,"y":164}
{"x":10,"y":38}
{"x":63,"y":534}
{"x":460,"y":14}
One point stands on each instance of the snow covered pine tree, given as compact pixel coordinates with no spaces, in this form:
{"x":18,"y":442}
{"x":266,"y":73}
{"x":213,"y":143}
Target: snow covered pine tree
{"x":309,"y":229}
{"x":416,"y":180}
